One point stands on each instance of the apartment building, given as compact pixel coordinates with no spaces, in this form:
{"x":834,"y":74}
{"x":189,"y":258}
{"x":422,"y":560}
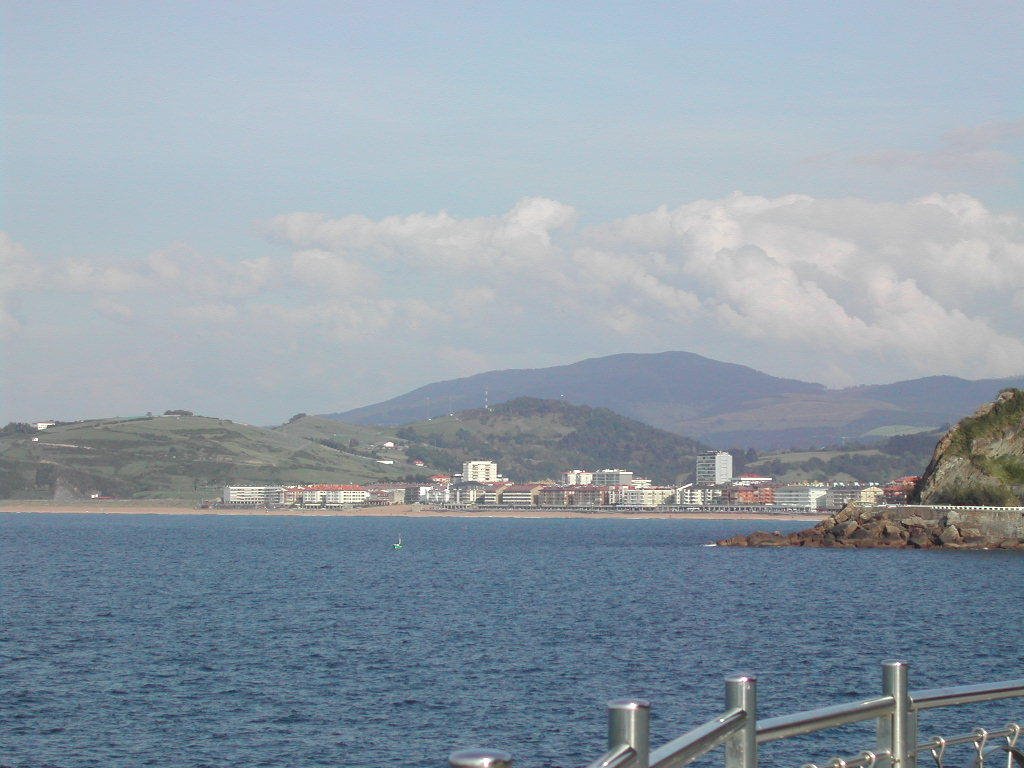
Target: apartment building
{"x":554,"y":495}
{"x":714,"y":468}
{"x":333,"y":495}
{"x":806,"y":496}
{"x":576,"y":477}
{"x":589,"y":496}
{"x":492,"y":493}
{"x":753,"y":494}
{"x":252,"y":495}
{"x":465,"y":493}
{"x":649,"y":496}
{"x":613,"y":477}
{"x":480,"y":471}
{"x":696,"y":495}
{"x":524,"y":495}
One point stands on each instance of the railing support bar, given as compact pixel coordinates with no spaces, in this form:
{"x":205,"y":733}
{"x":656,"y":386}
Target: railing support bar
{"x":897,"y":732}
{"x":741,"y":748}
{"x":629,"y":724}
{"x":480,"y":758}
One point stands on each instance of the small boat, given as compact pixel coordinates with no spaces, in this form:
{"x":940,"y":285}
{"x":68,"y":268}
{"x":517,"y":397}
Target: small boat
{"x":397,"y":544}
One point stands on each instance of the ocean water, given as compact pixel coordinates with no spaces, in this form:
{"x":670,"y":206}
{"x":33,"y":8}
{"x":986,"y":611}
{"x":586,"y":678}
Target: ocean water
{"x":262,"y":641}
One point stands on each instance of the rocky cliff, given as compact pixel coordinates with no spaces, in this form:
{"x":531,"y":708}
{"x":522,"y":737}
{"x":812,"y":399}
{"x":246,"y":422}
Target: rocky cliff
{"x":981,"y":459}
{"x":917,"y":527}
{"x":969,"y":497}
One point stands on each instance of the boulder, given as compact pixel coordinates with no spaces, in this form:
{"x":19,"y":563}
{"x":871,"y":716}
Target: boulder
{"x":763,"y":539}
{"x":844,"y":514}
{"x":950,"y":536}
{"x":920,"y":540}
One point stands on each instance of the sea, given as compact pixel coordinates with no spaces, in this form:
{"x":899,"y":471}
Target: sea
{"x":135,"y":640}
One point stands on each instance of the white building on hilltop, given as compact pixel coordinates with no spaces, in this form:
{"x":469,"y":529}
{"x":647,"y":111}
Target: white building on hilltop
{"x":480,"y":472}
{"x":714,"y":468}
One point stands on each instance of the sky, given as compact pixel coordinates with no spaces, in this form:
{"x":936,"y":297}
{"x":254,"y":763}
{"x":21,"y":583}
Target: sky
{"x":251,"y":210}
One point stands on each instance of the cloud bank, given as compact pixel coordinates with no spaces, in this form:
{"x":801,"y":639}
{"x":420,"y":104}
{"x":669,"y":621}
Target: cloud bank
{"x":834,"y":290}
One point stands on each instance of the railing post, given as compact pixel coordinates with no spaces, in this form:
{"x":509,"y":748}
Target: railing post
{"x":741,"y":749}
{"x":480,"y":758}
{"x":629,"y":723}
{"x":898,"y":732}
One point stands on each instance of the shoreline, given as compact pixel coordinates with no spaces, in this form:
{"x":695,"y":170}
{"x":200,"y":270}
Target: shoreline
{"x":157,"y":507}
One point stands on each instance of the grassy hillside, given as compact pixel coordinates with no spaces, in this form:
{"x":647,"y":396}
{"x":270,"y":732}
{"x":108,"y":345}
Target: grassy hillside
{"x":170,"y":456}
{"x":981,"y":459}
{"x":533,"y":439}
{"x":897,"y":456}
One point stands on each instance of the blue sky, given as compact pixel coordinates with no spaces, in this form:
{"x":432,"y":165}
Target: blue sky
{"x":159,"y":160}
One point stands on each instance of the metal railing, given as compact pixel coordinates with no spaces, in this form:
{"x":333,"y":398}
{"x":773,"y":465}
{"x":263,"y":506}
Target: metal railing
{"x":739,"y":730}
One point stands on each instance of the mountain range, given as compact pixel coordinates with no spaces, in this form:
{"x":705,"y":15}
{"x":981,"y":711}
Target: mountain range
{"x":721,"y":404}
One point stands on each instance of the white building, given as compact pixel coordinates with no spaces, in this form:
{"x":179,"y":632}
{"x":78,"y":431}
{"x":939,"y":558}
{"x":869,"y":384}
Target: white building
{"x":480,"y":472}
{"x":806,"y":496}
{"x":695,"y":495}
{"x":576,"y":477}
{"x":252,"y":495}
{"x":613,"y":477}
{"x":648,"y":496}
{"x":438,"y":494}
{"x":714,"y":468}
{"x":41,"y":425}
{"x":333,"y":495}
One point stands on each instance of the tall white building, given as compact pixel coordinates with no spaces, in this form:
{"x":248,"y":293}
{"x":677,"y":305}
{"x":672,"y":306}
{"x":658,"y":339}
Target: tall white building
{"x":480,"y":472}
{"x":714,"y":467}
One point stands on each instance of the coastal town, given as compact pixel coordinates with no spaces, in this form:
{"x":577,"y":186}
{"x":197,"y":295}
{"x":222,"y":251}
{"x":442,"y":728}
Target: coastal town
{"x":481,"y":485}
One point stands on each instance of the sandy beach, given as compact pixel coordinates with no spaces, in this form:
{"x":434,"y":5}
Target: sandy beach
{"x":160,"y":507}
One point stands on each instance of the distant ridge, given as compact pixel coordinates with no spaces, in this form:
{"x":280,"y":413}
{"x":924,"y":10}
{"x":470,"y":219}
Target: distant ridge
{"x":721,"y":404}
{"x":629,"y":383}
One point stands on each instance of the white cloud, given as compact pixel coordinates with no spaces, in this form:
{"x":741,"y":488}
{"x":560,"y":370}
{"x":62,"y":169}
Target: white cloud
{"x":521,"y":236}
{"x":325,"y":270}
{"x":814,"y":285}
{"x":834,"y":290}
{"x":18,"y":267}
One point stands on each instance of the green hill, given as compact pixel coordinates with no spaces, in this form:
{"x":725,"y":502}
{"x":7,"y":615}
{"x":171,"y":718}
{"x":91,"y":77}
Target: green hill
{"x":533,"y":439}
{"x":981,"y":459}
{"x":897,"y":456}
{"x":173,"y":456}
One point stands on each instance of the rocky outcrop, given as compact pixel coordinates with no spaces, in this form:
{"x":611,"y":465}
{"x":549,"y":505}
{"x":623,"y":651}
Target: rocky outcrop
{"x":981,"y":459}
{"x":857,"y":525}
